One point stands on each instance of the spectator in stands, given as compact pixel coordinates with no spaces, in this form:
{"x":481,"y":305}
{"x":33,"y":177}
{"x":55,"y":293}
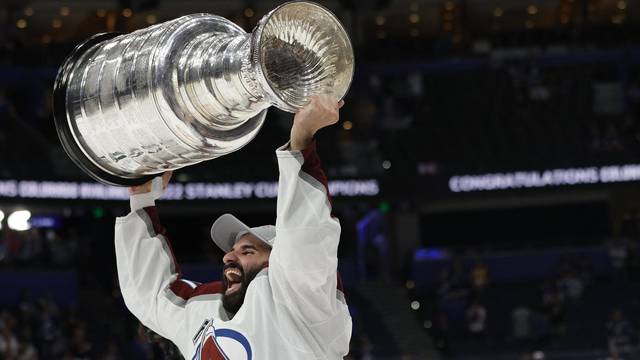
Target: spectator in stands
{"x":557,"y":314}
{"x":366,"y":348}
{"x":26,"y":306}
{"x":112,"y":353}
{"x":477,"y":320}
{"x":614,"y":356}
{"x":50,"y":333}
{"x":80,"y":346}
{"x":10,"y":245}
{"x":9,"y":345}
{"x":140,"y":347}
{"x":31,"y":247}
{"x":618,"y":253}
{"x":541,"y":328}
{"x":571,"y":285}
{"x":444,"y":287}
{"x":526,"y":356}
{"x":547,"y":289}
{"x":453,"y":283}
{"x":620,"y":334}
{"x":585,"y":271}
{"x":53,"y":327}
{"x":521,"y":316}
{"x":479,"y":279}
{"x":441,"y":334}
{"x":27,"y":351}
{"x":62,"y":250}
{"x":553,"y":302}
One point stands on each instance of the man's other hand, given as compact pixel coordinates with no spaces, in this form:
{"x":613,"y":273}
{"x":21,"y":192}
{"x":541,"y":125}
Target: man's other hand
{"x":321,"y":111}
{"x":148,"y":186}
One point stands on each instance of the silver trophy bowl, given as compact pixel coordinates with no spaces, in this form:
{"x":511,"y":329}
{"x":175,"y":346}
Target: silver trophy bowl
{"x":130,"y":106}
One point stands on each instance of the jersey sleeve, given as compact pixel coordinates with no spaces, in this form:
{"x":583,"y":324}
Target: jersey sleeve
{"x":150,"y":279}
{"x":303,"y":261}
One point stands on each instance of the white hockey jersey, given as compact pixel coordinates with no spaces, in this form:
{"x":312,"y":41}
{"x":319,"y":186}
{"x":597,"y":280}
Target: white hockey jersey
{"x":293,"y":310}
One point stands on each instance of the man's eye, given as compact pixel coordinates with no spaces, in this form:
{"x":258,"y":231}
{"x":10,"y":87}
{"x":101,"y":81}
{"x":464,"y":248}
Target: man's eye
{"x":247,"y":253}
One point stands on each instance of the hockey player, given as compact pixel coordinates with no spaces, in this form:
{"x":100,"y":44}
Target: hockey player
{"x":280,"y":297}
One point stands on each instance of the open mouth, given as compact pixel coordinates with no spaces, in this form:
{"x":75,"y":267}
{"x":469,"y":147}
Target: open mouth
{"x":233,"y":276}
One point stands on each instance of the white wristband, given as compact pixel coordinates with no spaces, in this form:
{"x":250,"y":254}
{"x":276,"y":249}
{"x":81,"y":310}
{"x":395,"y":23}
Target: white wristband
{"x":140,"y":201}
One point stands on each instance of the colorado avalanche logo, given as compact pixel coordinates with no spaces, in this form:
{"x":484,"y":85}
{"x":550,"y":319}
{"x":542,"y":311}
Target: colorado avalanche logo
{"x":221,"y":344}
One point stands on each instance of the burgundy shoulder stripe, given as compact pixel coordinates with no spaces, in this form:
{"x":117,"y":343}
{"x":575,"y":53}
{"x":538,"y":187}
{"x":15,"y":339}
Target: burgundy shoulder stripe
{"x":340,"y":286}
{"x":186,"y":292}
{"x":178,"y":287}
{"x":312,"y":165}
{"x":152,"y":212}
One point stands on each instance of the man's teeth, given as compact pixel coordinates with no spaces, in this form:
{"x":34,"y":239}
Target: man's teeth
{"x":232,"y":274}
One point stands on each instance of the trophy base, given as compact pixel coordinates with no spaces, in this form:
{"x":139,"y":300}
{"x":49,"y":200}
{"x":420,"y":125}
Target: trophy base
{"x":67,"y":139}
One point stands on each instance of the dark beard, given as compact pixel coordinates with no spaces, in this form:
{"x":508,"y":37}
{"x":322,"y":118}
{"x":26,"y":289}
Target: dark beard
{"x":233,"y":302}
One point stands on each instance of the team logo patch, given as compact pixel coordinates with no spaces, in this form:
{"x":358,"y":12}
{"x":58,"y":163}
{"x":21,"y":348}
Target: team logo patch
{"x":221,"y":344}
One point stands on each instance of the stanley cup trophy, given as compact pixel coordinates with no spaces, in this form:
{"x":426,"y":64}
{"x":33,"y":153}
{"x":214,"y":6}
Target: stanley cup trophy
{"x":128,"y":107}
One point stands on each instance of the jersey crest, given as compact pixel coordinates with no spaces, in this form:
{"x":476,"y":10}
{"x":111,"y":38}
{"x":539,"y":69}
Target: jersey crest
{"x":221,"y":344}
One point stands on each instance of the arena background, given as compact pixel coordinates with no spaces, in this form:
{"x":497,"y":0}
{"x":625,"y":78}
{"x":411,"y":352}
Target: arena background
{"x":485,"y":170}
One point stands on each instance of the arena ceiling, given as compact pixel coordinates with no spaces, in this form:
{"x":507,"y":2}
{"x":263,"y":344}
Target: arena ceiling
{"x":73,"y":20}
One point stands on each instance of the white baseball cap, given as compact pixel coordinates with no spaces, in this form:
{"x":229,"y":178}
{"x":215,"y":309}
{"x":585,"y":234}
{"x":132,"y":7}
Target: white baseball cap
{"x":227,"y":229}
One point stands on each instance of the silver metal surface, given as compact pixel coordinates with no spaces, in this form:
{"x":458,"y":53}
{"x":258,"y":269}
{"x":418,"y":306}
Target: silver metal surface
{"x":198,"y":87}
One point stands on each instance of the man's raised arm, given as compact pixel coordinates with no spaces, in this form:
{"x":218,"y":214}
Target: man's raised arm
{"x":303,"y":262}
{"x":149,"y":275}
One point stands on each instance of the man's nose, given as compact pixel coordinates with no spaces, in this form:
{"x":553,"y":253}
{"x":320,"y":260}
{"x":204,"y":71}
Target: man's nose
{"x":229,"y":257}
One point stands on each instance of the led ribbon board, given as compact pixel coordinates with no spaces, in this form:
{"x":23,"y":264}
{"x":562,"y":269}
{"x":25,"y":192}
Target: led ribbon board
{"x":545,"y":178}
{"x":27,"y":189}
